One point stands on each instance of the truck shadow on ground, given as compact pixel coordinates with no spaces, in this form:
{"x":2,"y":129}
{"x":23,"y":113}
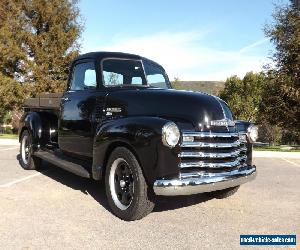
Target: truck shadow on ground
{"x":97,"y":190}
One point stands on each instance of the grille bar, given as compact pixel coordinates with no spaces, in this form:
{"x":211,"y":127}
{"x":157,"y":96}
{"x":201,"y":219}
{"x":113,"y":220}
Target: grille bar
{"x":212,"y":150}
{"x":210,"y":134}
{"x":202,"y":164}
{"x":196,"y":144}
{"x":200,"y":154}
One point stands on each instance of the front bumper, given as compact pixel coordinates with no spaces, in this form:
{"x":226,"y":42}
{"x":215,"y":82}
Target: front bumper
{"x":205,"y":182}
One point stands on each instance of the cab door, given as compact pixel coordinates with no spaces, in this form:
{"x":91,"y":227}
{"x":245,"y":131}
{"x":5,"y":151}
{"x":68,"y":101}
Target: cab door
{"x":75,"y":135}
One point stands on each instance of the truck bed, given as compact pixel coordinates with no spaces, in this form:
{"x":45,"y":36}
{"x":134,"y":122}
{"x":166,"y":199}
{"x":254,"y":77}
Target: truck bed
{"x":44,"y":101}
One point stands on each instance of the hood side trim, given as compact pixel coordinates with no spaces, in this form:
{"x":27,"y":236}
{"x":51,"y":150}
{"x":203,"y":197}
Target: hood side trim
{"x":224,"y":114}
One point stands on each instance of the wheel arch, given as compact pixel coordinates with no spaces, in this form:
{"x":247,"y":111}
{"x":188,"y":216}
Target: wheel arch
{"x":114,"y":145}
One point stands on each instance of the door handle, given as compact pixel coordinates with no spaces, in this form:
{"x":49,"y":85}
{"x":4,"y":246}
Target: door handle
{"x":66,"y":99}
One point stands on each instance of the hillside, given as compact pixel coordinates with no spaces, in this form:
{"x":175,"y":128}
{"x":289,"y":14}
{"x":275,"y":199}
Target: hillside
{"x":210,"y":87}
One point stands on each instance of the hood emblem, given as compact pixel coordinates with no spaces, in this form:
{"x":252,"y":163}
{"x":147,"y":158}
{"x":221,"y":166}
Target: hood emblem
{"x":222,"y":123}
{"x":110,"y":111}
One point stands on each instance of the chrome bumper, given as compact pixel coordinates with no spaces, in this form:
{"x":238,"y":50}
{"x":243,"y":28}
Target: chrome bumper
{"x":204,"y":183}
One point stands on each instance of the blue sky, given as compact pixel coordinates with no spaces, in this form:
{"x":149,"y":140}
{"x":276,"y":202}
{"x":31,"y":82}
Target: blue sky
{"x":194,"y":40}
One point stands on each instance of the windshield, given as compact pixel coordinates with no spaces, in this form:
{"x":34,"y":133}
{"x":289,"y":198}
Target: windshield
{"x":156,"y":76}
{"x":118,"y":72}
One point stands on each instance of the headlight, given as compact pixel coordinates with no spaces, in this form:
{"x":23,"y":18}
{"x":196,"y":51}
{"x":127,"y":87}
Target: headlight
{"x":252,"y":133}
{"x":170,"y":134}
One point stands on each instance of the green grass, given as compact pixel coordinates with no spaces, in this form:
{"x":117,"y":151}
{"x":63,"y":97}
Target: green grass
{"x":8,"y":136}
{"x":276,"y":148}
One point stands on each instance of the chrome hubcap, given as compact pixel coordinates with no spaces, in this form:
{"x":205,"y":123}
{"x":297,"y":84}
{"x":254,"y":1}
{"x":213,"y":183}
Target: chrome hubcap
{"x":122,"y":183}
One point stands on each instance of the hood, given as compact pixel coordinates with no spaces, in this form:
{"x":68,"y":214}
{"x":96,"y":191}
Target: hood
{"x":195,"y":107}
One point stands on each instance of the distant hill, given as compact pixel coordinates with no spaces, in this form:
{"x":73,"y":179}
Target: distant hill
{"x":210,"y":87}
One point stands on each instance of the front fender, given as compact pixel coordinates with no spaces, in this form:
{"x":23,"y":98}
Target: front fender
{"x":242,"y":126}
{"x":142,"y":135}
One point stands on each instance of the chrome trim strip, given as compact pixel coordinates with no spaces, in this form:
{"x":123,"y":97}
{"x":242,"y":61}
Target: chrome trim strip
{"x":210,"y":134}
{"x":197,"y":144}
{"x":210,"y":182}
{"x":202,"y":164}
{"x":199,"y":154}
{"x":217,"y":99}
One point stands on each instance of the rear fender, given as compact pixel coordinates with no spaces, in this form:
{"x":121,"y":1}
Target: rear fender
{"x":33,"y":123}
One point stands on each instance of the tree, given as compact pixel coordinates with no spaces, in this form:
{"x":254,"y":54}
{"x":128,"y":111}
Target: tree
{"x":245,"y":98}
{"x":282,"y":94}
{"x":11,"y":94}
{"x":176,"y":82}
{"x":244,"y":95}
{"x":38,"y":40}
{"x":50,"y":40}
{"x":11,"y":56}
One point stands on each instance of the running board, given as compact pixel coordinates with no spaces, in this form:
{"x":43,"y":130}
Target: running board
{"x":63,"y":162}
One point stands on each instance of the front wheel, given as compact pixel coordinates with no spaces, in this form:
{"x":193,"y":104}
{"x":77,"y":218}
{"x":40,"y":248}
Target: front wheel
{"x":126,"y":189}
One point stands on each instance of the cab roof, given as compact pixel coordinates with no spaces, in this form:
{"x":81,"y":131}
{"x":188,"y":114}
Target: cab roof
{"x":106,"y":54}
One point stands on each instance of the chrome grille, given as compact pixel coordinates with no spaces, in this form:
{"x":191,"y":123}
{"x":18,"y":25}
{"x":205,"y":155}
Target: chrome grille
{"x":211,"y":150}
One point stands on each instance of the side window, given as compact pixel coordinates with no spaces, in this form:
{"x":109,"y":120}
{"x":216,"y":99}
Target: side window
{"x":156,"y":76}
{"x":83,"y":77}
{"x":137,"y":80}
{"x":156,"y":80}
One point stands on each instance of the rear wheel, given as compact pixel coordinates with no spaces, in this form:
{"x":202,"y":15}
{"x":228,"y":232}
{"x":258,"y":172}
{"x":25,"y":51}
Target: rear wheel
{"x":27,"y":160}
{"x":126,"y":188}
{"x":222,"y":194}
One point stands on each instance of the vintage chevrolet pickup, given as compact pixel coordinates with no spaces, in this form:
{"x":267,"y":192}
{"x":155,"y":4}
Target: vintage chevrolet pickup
{"x":120,"y":121}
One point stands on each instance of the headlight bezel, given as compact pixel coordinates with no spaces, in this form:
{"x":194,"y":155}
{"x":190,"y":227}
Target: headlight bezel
{"x":169,"y":129}
{"x":252,"y":133}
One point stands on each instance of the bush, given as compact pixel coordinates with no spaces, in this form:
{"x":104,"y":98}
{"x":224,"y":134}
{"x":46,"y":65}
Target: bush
{"x":8,"y":131}
{"x":5,"y":118}
{"x":290,"y":137}
{"x":269,"y":133}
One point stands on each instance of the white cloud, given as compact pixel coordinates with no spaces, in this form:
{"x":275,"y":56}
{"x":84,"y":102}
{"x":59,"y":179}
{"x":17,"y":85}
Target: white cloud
{"x":254,"y":45}
{"x":184,"y":54}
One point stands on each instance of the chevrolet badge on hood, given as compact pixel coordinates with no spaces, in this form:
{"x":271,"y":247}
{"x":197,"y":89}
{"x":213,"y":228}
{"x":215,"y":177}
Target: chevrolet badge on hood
{"x":222,"y":123}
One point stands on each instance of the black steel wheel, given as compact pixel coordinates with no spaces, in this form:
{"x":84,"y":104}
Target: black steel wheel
{"x":121,"y":183}
{"x":126,"y":189}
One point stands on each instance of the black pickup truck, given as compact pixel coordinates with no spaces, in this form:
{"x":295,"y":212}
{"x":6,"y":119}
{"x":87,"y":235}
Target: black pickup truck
{"x":120,"y":121}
